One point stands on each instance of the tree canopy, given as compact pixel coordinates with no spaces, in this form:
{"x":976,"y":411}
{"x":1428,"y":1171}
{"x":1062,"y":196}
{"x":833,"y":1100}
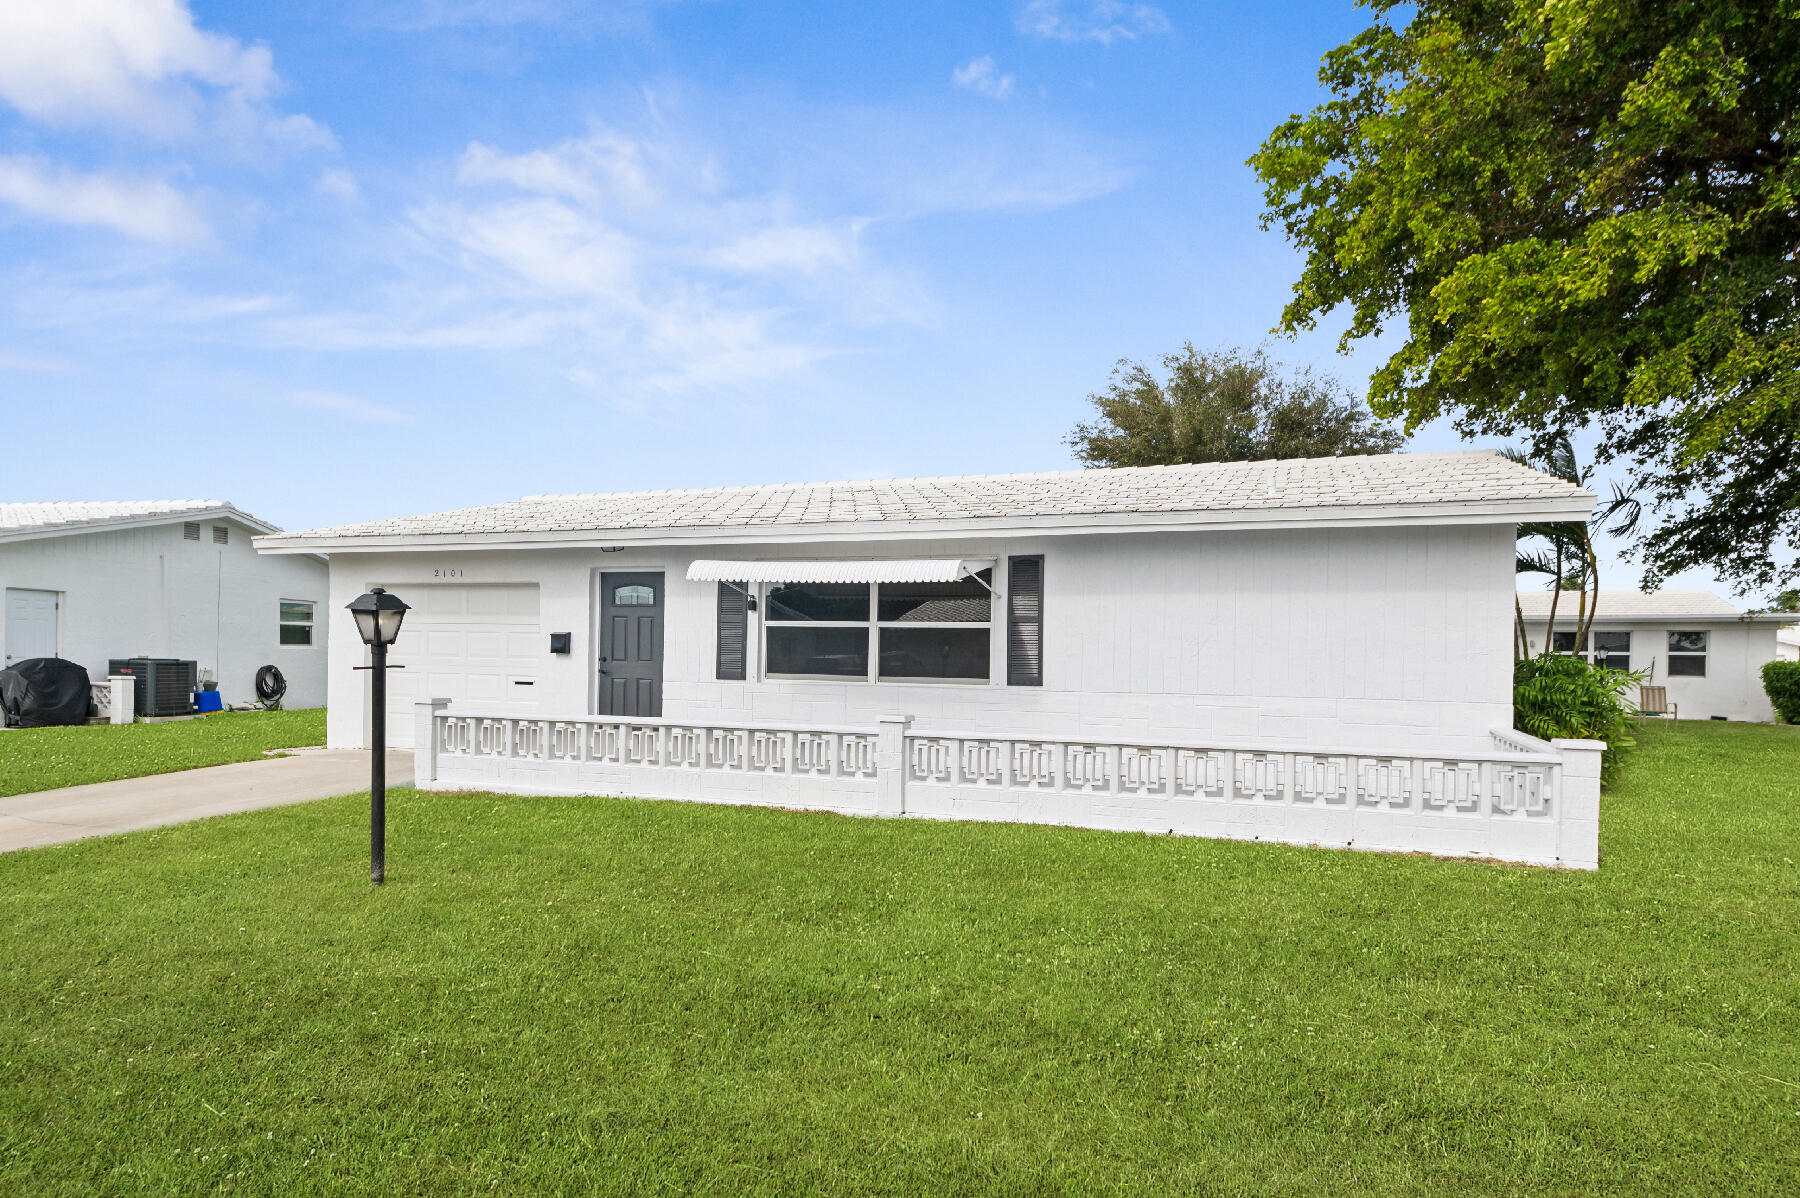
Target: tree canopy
{"x":1584,"y":214}
{"x":1224,"y":406}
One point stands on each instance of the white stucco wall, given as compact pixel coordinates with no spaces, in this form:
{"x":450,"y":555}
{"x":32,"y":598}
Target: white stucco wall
{"x":1732,"y":687}
{"x":1386,"y":637}
{"x":148,"y":592}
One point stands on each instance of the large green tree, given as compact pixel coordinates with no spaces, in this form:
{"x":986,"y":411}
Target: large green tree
{"x":1583,"y":213}
{"x":1224,"y":406}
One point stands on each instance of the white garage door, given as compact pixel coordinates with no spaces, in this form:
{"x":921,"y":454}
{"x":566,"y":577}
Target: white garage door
{"x":477,"y":646}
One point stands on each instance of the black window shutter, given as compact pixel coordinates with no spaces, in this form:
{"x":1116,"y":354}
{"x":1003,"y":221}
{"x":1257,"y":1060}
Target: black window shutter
{"x":1025,"y":621}
{"x":734,"y":627}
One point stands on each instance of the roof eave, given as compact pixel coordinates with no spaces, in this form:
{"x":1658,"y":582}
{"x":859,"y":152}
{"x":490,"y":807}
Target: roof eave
{"x":1216,"y":520}
{"x":258,"y":528}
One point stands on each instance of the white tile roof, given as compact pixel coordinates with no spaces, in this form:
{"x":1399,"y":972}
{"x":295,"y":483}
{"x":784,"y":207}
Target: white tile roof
{"x":1621,"y":605}
{"x":1417,"y":482}
{"x":78,"y":515}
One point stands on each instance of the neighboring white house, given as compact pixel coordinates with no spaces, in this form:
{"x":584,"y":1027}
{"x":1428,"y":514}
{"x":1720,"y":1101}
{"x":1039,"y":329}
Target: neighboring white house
{"x":1706,"y":652}
{"x":1300,"y":650}
{"x":176,"y":578}
{"x":1787,"y":642}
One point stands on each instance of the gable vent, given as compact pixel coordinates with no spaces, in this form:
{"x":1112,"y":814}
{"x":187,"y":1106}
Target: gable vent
{"x":221,"y":534}
{"x":190,"y":532}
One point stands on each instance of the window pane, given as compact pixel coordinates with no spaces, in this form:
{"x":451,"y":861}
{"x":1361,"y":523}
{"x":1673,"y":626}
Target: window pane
{"x":934,"y":652}
{"x":1687,"y":665}
{"x":634,"y":596}
{"x":1687,"y":642}
{"x":1564,"y":642}
{"x":1614,"y":661}
{"x":296,"y":634}
{"x":296,"y":613}
{"x":838,"y":652}
{"x":1612,"y":642}
{"x":966,"y":602}
{"x":819,"y":601}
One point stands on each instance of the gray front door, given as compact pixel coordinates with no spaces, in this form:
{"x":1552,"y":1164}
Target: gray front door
{"x":631,"y":644}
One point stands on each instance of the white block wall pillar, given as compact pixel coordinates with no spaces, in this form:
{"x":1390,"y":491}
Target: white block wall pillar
{"x":1578,"y":821}
{"x":122,"y":707}
{"x":425,"y":742}
{"x":890,"y":765}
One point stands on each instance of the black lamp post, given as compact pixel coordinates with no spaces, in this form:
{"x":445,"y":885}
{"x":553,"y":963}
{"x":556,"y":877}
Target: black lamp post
{"x":378,"y":615}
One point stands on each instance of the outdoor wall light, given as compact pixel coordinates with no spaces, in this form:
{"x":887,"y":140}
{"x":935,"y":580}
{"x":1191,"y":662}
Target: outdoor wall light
{"x":378,"y":616}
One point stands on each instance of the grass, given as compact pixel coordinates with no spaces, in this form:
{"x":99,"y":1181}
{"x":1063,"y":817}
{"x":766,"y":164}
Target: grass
{"x":575,"y":996}
{"x":48,"y":758}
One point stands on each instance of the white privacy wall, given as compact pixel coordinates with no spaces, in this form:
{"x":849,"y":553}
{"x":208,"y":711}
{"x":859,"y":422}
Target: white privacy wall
{"x":148,"y":592}
{"x":1394,"y":638}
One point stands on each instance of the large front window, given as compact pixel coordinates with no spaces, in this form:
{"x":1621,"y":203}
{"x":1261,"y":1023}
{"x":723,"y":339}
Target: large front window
{"x":874,"y":631}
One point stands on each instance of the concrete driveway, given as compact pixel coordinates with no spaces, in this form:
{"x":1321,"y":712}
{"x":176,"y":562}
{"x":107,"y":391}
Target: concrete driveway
{"x":102,"y":808}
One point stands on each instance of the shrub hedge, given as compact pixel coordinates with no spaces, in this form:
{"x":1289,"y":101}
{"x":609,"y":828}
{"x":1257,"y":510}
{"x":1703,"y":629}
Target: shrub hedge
{"x":1562,"y":696}
{"x":1781,"y":681}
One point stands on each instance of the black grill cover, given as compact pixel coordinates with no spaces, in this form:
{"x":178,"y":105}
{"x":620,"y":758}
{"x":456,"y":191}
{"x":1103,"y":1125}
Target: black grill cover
{"x":44,"y":692}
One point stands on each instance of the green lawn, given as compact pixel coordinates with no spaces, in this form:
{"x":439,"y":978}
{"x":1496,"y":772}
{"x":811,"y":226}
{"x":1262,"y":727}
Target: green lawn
{"x":46,"y":758}
{"x":578,"y":996}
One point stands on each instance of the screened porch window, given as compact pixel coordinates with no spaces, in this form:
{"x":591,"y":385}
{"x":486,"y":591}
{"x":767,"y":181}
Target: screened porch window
{"x":935,"y":631}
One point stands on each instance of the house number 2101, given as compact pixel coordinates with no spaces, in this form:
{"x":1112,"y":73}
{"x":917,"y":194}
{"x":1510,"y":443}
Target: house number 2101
{"x":452,"y":572}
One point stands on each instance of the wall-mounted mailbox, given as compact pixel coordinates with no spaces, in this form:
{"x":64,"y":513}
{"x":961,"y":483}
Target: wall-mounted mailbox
{"x":559,"y":642}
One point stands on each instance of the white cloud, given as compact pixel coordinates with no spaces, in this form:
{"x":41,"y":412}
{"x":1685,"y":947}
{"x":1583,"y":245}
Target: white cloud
{"x":340,"y":185}
{"x":1103,"y":21}
{"x":346,"y":405}
{"x":144,"y":65}
{"x":147,"y":209}
{"x":981,"y":75}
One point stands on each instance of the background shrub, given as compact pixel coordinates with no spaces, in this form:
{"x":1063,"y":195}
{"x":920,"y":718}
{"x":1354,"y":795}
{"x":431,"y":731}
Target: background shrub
{"x":1565,"y":696}
{"x":1781,"y":680}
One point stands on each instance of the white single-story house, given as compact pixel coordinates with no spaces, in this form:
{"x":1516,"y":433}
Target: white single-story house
{"x":178,"y":578}
{"x":1708,"y":653}
{"x":1787,"y":642}
{"x":1313,"y":651}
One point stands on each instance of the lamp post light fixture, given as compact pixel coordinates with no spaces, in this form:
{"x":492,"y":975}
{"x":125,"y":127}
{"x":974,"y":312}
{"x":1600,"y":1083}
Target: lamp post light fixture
{"x":378,"y":615}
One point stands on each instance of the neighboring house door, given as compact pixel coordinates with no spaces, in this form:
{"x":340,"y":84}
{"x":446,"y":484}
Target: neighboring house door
{"x":30,"y":624}
{"x":631,"y":644}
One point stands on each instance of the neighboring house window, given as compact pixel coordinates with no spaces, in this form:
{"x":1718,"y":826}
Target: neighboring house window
{"x":1612,"y":650}
{"x":296,"y":622}
{"x":896,"y":631}
{"x":190,"y":532}
{"x":221,"y":534}
{"x":1565,"y":642}
{"x":1687,"y":654}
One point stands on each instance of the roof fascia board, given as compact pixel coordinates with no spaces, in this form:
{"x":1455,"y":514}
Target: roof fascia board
{"x":1222,"y":520}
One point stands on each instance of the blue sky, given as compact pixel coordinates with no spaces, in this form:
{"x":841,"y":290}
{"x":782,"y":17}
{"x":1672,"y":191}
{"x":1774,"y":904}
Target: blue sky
{"x":341,"y":260}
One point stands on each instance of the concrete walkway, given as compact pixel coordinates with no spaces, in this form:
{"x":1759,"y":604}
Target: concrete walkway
{"x":102,"y":808}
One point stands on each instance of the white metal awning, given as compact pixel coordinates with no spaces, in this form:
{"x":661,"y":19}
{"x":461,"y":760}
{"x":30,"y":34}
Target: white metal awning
{"x":924,"y":569}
